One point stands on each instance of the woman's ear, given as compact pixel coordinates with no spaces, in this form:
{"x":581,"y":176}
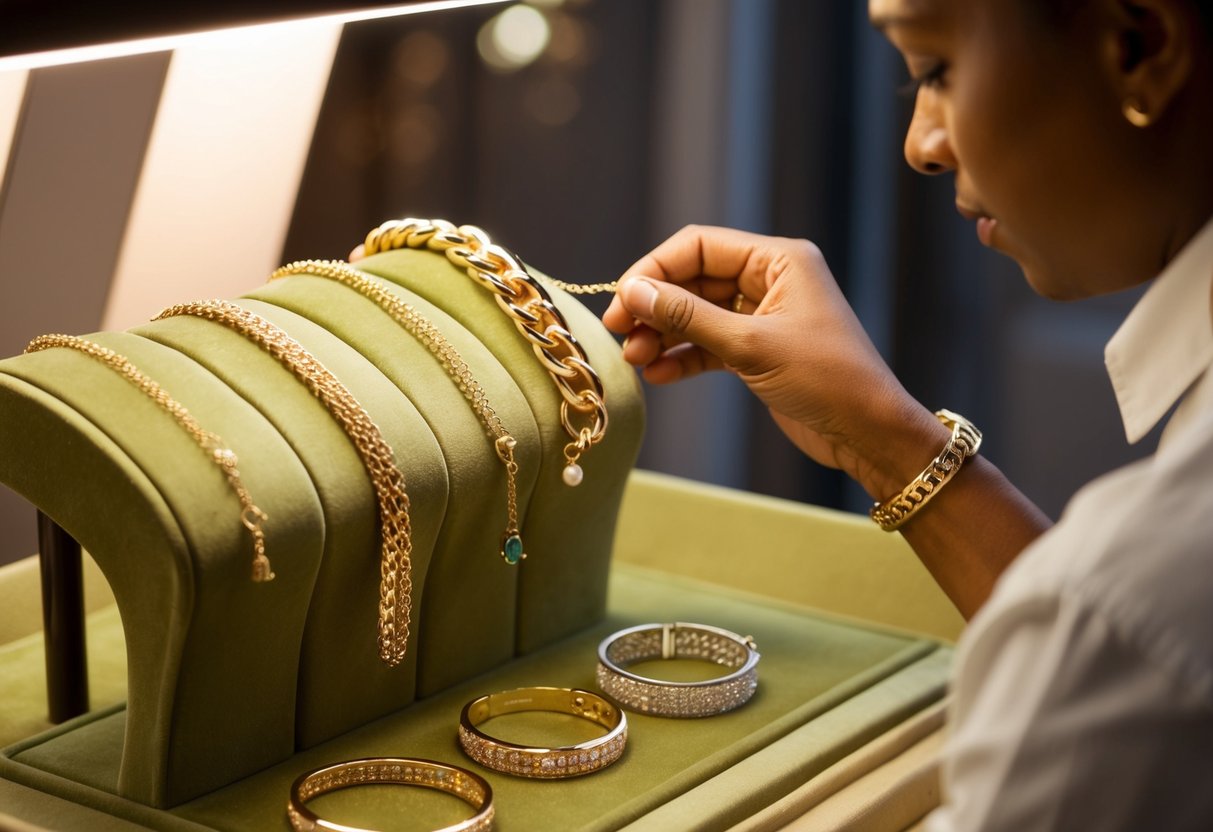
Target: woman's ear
{"x":1151,"y":51}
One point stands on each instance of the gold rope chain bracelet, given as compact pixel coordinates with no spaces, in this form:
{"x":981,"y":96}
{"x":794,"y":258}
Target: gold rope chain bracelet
{"x":423,"y":329}
{"x":530,"y":307}
{"x":395,"y":567}
{"x":223,"y":456}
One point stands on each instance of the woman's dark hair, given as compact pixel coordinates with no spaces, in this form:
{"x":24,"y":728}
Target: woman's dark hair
{"x":1060,"y":11}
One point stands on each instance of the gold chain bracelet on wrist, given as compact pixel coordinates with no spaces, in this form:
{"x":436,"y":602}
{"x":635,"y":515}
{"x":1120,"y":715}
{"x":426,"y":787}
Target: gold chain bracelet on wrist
{"x":530,"y":307}
{"x":423,"y":329}
{"x":250,"y":516}
{"x":395,"y":568}
{"x":964,"y":443}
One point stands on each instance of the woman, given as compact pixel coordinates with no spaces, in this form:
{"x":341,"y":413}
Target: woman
{"x":1080,"y":138}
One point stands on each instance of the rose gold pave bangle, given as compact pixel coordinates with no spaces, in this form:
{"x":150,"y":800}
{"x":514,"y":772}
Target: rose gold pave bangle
{"x":398,"y":771}
{"x":964,"y":443}
{"x":533,"y":761}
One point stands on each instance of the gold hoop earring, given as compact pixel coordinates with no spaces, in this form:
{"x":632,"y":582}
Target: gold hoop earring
{"x":1135,"y":113}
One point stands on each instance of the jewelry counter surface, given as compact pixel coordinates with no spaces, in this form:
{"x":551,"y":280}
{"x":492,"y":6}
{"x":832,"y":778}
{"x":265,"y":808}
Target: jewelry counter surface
{"x":843,"y":727}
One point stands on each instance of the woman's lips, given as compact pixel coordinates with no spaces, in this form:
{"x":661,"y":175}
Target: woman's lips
{"x":985,"y":224}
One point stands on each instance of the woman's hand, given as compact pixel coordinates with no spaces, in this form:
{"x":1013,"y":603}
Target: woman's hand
{"x":796,"y":343}
{"x":800,"y":348}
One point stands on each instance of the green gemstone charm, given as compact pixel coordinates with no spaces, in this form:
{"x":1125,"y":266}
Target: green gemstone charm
{"x":511,"y":549}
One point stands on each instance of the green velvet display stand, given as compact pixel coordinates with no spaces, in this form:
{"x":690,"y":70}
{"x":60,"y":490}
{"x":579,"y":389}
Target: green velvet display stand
{"x":227,"y":677}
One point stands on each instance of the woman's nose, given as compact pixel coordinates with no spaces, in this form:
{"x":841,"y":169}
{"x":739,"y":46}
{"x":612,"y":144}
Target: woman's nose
{"x":928,"y":148}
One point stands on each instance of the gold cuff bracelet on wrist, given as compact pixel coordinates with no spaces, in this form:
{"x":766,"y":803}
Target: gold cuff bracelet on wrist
{"x":401,"y":771}
{"x":543,"y":763}
{"x":657,"y":697}
{"x":964,"y":443}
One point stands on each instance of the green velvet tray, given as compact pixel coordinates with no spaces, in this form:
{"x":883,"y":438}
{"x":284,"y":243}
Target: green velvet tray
{"x":826,"y":687}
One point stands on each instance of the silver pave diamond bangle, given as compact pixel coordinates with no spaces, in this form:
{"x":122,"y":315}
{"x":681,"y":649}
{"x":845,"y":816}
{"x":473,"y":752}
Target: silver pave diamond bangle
{"x":678,"y":641}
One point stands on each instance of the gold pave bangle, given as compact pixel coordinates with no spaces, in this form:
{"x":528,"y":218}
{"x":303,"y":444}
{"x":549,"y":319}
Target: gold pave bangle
{"x":658,"y":697}
{"x":251,"y":516}
{"x":401,"y":771}
{"x":395,"y":568}
{"x":423,"y":329}
{"x":583,"y":413}
{"x":964,"y":443}
{"x":543,"y":763}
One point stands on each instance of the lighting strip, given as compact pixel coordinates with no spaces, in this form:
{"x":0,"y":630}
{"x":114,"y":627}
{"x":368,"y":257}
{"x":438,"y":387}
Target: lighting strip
{"x":164,"y":43}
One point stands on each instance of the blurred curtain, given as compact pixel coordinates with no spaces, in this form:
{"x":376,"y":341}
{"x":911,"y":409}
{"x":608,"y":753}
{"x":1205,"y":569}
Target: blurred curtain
{"x":778,"y":116}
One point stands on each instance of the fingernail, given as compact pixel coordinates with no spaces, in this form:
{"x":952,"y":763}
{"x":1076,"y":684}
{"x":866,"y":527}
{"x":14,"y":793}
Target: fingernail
{"x":640,"y":295}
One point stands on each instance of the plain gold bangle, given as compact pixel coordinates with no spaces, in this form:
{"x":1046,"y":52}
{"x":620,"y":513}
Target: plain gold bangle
{"x":543,"y":763}
{"x":399,"y":771}
{"x":964,"y":442}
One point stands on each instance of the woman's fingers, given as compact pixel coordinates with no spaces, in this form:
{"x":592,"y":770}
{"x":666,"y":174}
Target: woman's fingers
{"x":715,"y":263}
{"x":681,"y":362}
{"x":678,"y":315}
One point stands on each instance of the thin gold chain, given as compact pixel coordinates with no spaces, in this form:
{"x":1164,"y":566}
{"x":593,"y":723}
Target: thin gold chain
{"x":530,"y":307}
{"x":251,"y":516}
{"x":583,"y":288}
{"x":424,"y":330}
{"x":395,"y":566}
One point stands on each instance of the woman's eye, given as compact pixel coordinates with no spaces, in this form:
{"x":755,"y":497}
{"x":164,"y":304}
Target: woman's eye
{"x":933,"y":78}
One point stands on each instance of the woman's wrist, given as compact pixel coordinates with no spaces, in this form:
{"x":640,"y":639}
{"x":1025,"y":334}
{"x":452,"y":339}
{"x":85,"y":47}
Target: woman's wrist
{"x":896,"y":449}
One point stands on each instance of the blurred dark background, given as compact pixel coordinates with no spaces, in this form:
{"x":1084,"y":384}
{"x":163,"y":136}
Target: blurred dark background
{"x":581,"y":133}
{"x":628,"y":119}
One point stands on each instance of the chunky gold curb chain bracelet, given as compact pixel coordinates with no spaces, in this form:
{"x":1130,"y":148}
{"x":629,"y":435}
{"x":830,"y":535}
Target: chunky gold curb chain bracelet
{"x":251,"y":516}
{"x":395,"y":569}
{"x":530,"y":307}
{"x":964,"y":443}
{"x":423,"y":329}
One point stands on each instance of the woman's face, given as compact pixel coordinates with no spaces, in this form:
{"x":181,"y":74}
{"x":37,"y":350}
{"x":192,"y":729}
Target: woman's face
{"x":1022,"y":110}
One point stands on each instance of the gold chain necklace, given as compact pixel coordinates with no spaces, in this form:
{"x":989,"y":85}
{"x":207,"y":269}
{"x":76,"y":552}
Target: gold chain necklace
{"x":530,"y":307}
{"x":395,"y":568}
{"x":423,"y":329}
{"x":251,"y":516}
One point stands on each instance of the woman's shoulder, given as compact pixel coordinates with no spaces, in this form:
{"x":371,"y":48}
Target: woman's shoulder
{"x":1133,"y":549}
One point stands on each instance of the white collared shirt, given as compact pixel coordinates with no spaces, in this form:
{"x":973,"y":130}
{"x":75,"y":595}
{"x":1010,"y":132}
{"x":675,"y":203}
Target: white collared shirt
{"x":1083,"y":689}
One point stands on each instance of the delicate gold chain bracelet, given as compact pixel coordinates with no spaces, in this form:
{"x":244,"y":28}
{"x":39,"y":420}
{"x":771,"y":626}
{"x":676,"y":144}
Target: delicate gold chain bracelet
{"x":964,"y":443}
{"x":251,"y":516}
{"x":423,"y":329}
{"x":530,"y":307}
{"x":395,"y":569}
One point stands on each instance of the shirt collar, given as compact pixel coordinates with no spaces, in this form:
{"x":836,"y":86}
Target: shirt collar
{"x":1166,"y":342}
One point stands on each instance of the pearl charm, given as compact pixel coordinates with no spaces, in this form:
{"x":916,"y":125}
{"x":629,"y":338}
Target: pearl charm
{"x":573,"y":474}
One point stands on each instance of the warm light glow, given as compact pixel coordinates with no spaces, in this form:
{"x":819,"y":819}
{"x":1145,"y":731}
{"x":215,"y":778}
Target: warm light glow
{"x":514,"y":38}
{"x":162,"y":44}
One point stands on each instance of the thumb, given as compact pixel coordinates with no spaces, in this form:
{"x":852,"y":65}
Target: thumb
{"x":673,"y":311}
